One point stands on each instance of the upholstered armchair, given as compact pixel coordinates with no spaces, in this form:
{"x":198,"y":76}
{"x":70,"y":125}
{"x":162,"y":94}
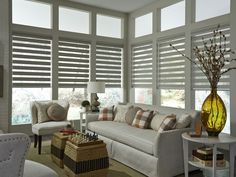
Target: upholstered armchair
{"x":48,"y":117}
{"x":13,"y":150}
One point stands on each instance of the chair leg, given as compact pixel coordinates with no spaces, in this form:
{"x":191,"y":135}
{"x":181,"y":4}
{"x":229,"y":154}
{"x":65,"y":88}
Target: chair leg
{"x":40,"y":144}
{"x":35,"y":140}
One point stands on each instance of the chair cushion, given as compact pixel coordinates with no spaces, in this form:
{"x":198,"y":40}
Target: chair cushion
{"x":56,"y":112}
{"x":142,"y":139}
{"x":48,"y":128}
{"x":42,"y":107}
{"x":34,"y":169}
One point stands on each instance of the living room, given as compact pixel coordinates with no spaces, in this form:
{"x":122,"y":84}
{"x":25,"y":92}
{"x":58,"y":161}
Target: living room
{"x":122,"y":43}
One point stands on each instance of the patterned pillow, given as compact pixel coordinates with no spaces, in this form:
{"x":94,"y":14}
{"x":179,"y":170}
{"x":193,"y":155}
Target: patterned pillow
{"x":142,"y":119}
{"x":168,"y":123}
{"x":130,"y":114}
{"x":120,"y":112}
{"x":56,"y":112}
{"x":106,"y":114}
{"x":42,"y":107}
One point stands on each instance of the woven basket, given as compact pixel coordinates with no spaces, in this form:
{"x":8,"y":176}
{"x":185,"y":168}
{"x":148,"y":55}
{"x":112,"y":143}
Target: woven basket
{"x":57,"y":148}
{"x":86,"y":161}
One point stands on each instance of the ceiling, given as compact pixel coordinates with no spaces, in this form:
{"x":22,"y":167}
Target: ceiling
{"x":119,"y":5}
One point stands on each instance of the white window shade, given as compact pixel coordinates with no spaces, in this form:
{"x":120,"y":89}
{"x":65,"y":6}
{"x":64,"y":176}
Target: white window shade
{"x":142,"y":66}
{"x":171,"y":65}
{"x":199,"y":80}
{"x":73,"y":64}
{"x":31,"y":61}
{"x":109,"y":65}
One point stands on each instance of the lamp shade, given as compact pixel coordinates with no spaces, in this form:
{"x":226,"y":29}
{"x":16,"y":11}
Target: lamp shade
{"x":96,"y":87}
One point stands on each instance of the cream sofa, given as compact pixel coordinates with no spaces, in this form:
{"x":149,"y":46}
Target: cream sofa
{"x":145,"y":150}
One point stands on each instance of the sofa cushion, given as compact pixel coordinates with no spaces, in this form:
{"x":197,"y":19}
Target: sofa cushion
{"x":157,"y":121}
{"x":183,"y":121}
{"x":142,"y":119}
{"x":106,"y":114}
{"x":168,"y":123}
{"x":142,"y":139}
{"x":48,"y":128}
{"x":120,"y":112}
{"x":129,"y":116}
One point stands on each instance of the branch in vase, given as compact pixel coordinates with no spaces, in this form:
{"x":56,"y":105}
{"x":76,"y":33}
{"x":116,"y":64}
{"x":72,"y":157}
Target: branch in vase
{"x":229,"y":69}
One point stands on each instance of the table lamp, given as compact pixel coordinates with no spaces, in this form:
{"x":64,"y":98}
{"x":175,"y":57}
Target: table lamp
{"x":95,"y":87}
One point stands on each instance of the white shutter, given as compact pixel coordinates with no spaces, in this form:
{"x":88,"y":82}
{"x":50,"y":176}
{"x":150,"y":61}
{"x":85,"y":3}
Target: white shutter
{"x":199,"y":80}
{"x":171,"y":65}
{"x":73,"y":64}
{"x":31,"y":61}
{"x":142,"y":66}
{"x":109,"y":65}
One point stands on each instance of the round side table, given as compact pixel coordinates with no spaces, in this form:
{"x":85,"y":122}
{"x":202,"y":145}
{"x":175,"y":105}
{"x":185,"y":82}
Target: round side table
{"x":214,"y":142}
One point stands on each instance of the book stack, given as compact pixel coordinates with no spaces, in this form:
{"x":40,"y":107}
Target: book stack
{"x":204,"y":155}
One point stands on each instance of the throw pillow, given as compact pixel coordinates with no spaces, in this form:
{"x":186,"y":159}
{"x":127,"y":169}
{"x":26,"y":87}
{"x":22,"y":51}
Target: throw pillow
{"x":56,"y":112}
{"x":106,"y":114}
{"x":42,"y":110}
{"x":168,"y":123}
{"x":130,"y":114}
{"x":183,"y":121}
{"x":142,"y":119}
{"x":157,"y":121}
{"x":120,"y":112}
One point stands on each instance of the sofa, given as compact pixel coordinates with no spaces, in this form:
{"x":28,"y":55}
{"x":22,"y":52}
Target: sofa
{"x":151,"y":152}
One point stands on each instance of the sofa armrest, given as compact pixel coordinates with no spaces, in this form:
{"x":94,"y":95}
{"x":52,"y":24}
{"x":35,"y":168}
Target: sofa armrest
{"x":169,"y":151}
{"x":91,"y":118}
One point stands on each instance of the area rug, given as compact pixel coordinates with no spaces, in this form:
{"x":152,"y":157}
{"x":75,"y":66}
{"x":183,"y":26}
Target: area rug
{"x":116,"y":169}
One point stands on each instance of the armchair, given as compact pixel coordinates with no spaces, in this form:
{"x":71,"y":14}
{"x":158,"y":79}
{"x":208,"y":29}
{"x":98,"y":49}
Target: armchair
{"x":47,"y":127}
{"x":13,"y":150}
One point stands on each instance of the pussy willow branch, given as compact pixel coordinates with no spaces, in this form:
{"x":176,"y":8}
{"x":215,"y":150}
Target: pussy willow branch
{"x":192,"y":61}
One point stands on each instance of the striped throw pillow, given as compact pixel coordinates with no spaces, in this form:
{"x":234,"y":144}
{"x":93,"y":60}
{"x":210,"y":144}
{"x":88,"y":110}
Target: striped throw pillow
{"x":168,"y":123}
{"x":142,"y":119}
{"x":106,"y":114}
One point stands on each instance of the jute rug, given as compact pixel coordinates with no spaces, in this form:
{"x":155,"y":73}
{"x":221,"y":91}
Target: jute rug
{"x":116,"y":169}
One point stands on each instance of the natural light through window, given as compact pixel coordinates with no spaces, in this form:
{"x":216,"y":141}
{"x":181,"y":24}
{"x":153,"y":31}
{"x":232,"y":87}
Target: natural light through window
{"x":74,"y":20}
{"x":143,"y":25}
{"x":173,"y":16}
{"x":206,"y":9}
{"x":109,"y":26}
{"x":31,"y":13}
{"x":143,"y":95}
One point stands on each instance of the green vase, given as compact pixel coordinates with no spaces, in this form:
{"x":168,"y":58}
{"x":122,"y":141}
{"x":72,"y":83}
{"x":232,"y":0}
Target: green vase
{"x":213,"y":114}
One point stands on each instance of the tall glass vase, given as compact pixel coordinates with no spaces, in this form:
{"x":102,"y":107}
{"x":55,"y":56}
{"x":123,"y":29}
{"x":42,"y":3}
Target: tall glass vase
{"x":213,"y":114}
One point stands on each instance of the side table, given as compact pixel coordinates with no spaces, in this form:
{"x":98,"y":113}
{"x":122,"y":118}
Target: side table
{"x":83,"y":117}
{"x":210,"y":141}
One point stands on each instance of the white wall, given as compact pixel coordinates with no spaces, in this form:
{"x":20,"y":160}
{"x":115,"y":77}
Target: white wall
{"x":4,"y":60}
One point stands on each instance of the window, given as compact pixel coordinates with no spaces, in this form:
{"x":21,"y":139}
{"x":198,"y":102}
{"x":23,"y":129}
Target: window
{"x":31,"y":13}
{"x":74,"y":96}
{"x":200,"y":96}
{"x":109,"y":26}
{"x":143,"y":95}
{"x":74,"y":20}
{"x":217,"y":8}
{"x":142,"y":72}
{"x":171,"y":72}
{"x":143,"y":25}
{"x":21,"y":98}
{"x":173,"y":16}
{"x":73,"y":63}
{"x":173,"y":98}
{"x":31,"y":74}
{"x":109,"y":59}
{"x":112,"y":96}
